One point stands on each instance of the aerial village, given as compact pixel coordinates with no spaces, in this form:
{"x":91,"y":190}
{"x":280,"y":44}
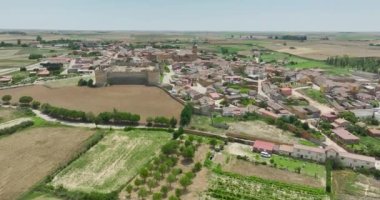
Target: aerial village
{"x":234,"y":87}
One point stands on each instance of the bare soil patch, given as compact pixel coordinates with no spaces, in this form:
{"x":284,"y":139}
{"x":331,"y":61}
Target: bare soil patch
{"x":30,"y":155}
{"x":139,"y":99}
{"x":261,"y":130}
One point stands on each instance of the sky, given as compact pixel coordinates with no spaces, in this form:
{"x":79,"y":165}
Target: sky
{"x":192,"y":15}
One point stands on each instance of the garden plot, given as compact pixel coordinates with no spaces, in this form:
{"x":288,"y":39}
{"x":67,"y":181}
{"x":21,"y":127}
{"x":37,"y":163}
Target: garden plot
{"x":112,"y":162}
{"x":350,"y":185}
{"x":224,"y":185}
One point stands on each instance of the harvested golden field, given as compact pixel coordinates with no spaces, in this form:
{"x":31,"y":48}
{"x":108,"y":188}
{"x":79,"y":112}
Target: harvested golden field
{"x":28,"y":156}
{"x":139,"y":99}
{"x":320,"y":50}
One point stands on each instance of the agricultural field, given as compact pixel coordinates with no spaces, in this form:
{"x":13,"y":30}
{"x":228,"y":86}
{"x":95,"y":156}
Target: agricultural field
{"x":349,"y":185}
{"x":30,"y":155}
{"x":14,"y":57}
{"x":320,"y":50}
{"x":111,"y":163}
{"x":226,"y":185}
{"x":8,"y":114}
{"x":139,"y":99}
{"x":165,"y":172}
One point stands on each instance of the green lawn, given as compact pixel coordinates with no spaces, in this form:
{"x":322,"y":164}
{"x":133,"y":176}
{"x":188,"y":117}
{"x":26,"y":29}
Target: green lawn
{"x":367,"y":145}
{"x":296,"y":62}
{"x":112,"y":162}
{"x":316,"y":95}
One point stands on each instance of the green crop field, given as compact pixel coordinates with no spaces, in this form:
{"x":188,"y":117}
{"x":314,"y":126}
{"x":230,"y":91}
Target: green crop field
{"x":112,"y":162}
{"x":225,"y":185}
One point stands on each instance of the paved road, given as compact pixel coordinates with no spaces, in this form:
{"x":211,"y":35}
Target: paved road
{"x":14,"y":122}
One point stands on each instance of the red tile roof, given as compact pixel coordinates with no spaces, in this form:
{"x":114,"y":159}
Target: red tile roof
{"x":263,"y":145}
{"x":345,"y":135}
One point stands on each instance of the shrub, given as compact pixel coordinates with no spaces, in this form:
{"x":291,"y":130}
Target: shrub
{"x":36,"y":104}
{"x":15,"y":128}
{"x":197,"y":167}
{"x":35,"y":56}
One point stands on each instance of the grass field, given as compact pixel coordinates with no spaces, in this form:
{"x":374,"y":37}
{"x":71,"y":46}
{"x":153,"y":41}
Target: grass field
{"x":139,"y":99}
{"x":18,"y":56}
{"x":112,"y":162}
{"x":8,"y":114}
{"x":30,"y":155}
{"x":349,"y":185}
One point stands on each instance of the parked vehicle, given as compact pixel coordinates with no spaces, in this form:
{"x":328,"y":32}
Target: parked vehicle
{"x":265,"y":154}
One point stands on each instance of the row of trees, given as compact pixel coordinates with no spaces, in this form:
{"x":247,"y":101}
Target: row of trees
{"x":161,"y":121}
{"x":25,"y":101}
{"x":117,"y":117}
{"x":367,"y":64}
{"x":89,"y":83}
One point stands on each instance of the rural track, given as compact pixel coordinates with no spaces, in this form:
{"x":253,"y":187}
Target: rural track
{"x":14,"y":122}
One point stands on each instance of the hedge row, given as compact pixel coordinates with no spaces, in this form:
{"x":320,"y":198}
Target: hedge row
{"x":13,"y":129}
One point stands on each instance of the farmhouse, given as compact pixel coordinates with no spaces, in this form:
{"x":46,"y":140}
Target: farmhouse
{"x":356,"y":160}
{"x":259,"y":146}
{"x":344,"y":136}
{"x":311,"y":153}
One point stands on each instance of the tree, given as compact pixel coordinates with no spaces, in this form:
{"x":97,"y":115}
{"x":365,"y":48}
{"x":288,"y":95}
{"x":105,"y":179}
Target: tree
{"x":185,"y":181}
{"x":173,"y":198}
{"x":157,"y":196}
{"x":173,"y":122}
{"x":36,"y":104}
{"x":18,"y":42}
{"x":213,"y":142}
{"x":25,"y":100}
{"x":6,"y":99}
{"x":162,"y":169}
{"x":171,"y":179}
{"x":129,"y":189}
{"x":35,"y":56}
{"x":186,"y":114}
{"x":151,"y":183}
{"x":178,"y":133}
{"x":164,"y":190}
{"x":197,"y":167}
{"x":188,"y":152}
{"x":90,"y":83}
{"x":142,"y":193}
{"x":82,"y":82}
{"x":157,"y":175}
{"x":144,"y":173}
{"x":170,"y":147}
{"x":39,"y":38}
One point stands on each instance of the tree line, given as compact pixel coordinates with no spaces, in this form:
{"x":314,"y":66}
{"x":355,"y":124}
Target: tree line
{"x":289,"y":37}
{"x":114,"y":117}
{"x":368,"y":64}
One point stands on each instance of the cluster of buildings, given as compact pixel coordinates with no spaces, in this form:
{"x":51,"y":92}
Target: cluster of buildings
{"x":317,"y":154}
